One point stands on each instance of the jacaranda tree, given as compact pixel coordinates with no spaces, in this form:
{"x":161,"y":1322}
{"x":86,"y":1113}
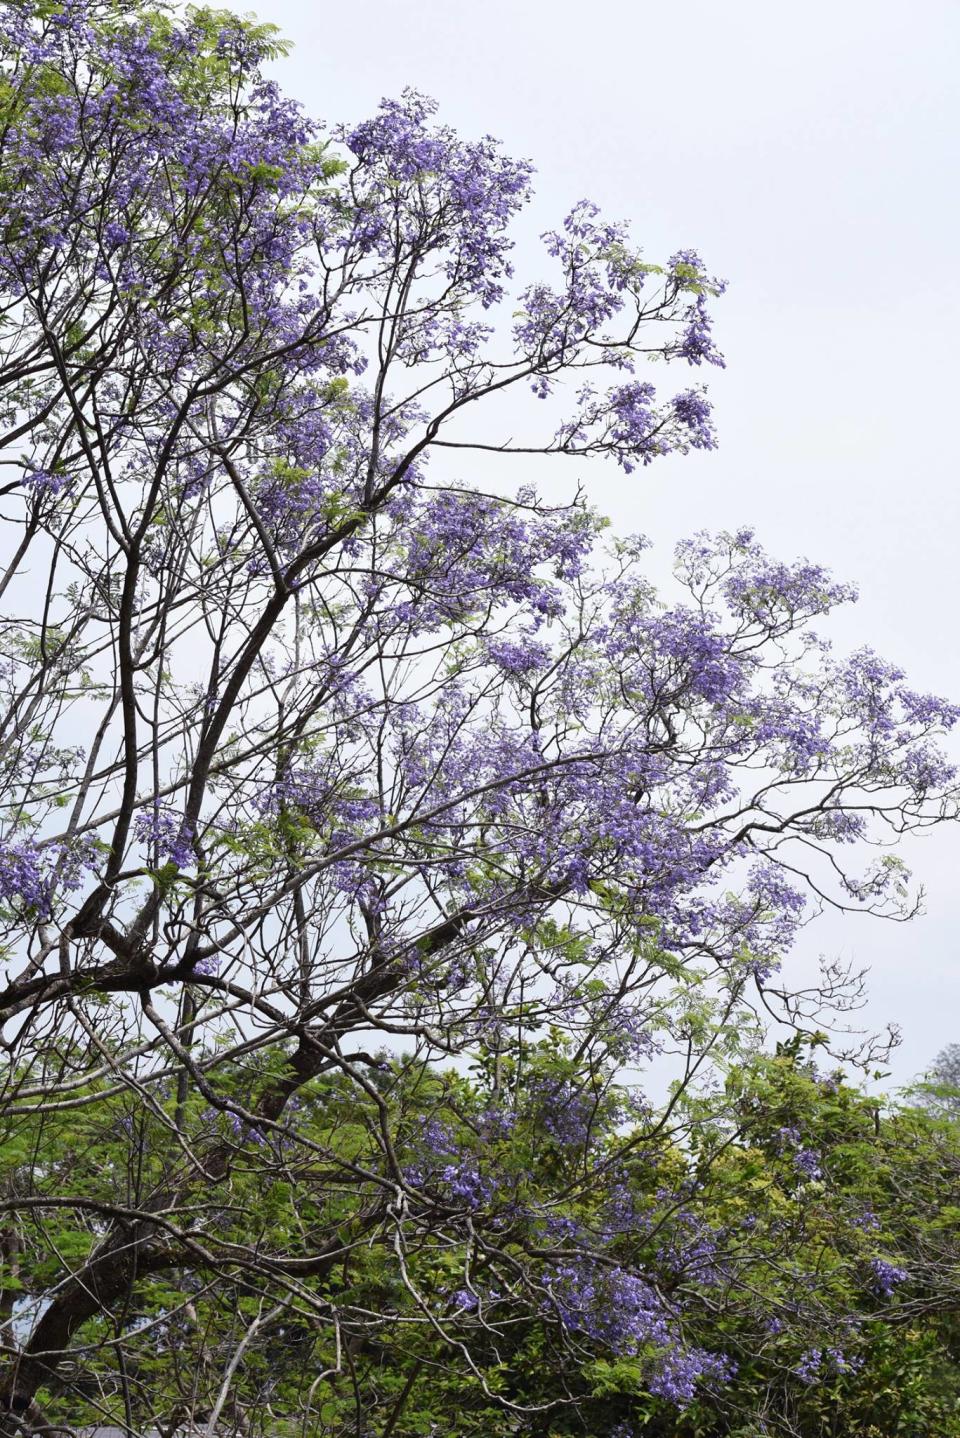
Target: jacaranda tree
{"x":366,"y":830}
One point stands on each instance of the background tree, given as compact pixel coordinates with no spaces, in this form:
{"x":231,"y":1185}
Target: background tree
{"x":797,"y":1241}
{"x":314,"y":754}
{"x":941,"y":1089}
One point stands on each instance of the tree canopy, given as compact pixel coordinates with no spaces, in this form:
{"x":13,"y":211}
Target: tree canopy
{"x":369,"y":824}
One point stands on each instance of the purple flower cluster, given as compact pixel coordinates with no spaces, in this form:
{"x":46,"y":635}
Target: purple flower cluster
{"x":443,"y":1164}
{"x":447,"y":199}
{"x":208,"y":967}
{"x":32,"y":872}
{"x":818,"y":1364}
{"x":623,"y":1314}
{"x":886,"y":1276}
{"x":626,"y":422}
{"x":807,"y":1163}
{"x":166,"y":832}
{"x":23,"y":874}
{"x":566,"y":1112}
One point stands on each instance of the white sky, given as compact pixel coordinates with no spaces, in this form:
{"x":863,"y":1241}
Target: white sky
{"x":809,"y":152}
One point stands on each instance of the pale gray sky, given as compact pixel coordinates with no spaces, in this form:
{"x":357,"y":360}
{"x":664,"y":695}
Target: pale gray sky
{"x":810,"y":153}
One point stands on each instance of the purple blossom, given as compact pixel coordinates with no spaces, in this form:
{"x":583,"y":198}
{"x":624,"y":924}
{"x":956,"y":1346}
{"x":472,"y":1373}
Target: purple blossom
{"x":518,"y":658}
{"x":623,"y":1314}
{"x":886,"y":1276}
{"x":168,"y":832}
{"x":208,"y":967}
{"x":115,"y":234}
{"x":810,"y":1365}
{"x":401,"y":158}
{"x":696,"y":346}
{"x":242,"y":1128}
{"x":443,"y":1164}
{"x":42,"y":482}
{"x":32,"y":872}
{"x":807,"y":1163}
{"x":693,"y":409}
{"x":819,"y":1363}
{"x":22,"y":874}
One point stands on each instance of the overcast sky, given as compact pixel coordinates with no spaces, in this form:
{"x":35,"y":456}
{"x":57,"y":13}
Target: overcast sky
{"x":810,"y":153}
